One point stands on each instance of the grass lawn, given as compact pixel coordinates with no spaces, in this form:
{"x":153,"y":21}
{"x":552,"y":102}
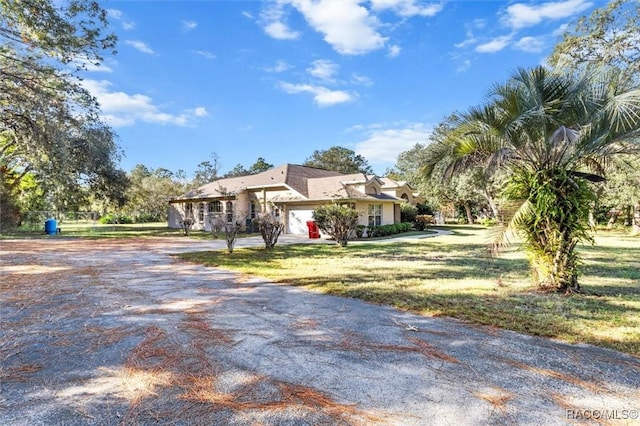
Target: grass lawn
{"x":453,"y":276}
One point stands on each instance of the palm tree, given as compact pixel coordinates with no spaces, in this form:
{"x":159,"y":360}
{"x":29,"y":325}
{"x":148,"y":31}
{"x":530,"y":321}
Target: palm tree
{"x":553,"y":134}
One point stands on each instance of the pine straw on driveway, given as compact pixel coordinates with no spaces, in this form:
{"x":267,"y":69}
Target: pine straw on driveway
{"x":117,"y":332}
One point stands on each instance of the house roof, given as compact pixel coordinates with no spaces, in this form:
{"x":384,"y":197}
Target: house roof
{"x":307,"y":183}
{"x":288,"y":175}
{"x":388,"y":183}
{"x":343,"y":187}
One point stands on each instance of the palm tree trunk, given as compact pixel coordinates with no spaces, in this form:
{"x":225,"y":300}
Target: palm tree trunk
{"x":565,"y":273}
{"x":553,"y":259}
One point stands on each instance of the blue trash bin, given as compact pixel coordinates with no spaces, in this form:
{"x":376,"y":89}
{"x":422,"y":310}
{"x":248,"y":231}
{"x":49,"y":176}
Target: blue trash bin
{"x":50,"y":226}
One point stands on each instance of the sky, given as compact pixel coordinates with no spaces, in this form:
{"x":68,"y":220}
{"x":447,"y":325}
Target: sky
{"x":281,"y":79}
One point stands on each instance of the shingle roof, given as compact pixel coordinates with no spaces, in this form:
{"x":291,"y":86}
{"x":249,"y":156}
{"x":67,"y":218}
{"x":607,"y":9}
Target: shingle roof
{"x":391,"y":183}
{"x":292,"y":175}
{"x":341,"y":187}
{"x":309,"y":182}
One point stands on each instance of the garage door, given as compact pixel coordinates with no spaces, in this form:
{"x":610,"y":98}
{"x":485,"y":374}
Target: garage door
{"x":298,"y":220}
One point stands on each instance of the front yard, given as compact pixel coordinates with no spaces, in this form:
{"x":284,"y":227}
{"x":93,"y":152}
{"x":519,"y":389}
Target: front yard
{"x":454,"y":276}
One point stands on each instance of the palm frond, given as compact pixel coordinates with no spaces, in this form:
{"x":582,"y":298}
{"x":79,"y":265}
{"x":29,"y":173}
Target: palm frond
{"x":623,"y":111}
{"x":507,"y":234}
{"x":587,"y":176}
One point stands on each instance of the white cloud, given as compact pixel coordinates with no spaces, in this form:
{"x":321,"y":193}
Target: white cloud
{"x":351,"y":27}
{"x":114,"y":13}
{"x":321,"y":95}
{"x":280,"y":66}
{"x":281,"y":31}
{"x":466,"y":42}
{"x":346,"y":25}
{"x":471,"y":38}
{"x":118,"y":15}
{"x":323,"y":69}
{"x":200,"y":112}
{"x":189,"y":25}
{"x":495,"y":45}
{"x":273,"y":20}
{"x":382,"y":145}
{"x":530,"y":44}
{"x":361,"y":80}
{"x":407,"y":8}
{"x":247,"y":14}
{"x":394,"y":51}
{"x":205,"y":54}
{"x":464,"y":65}
{"x":92,"y":67}
{"x":560,"y":30}
{"x":121,"y":109}
{"x":479,"y":23}
{"x":523,"y":15}
{"x":140,"y":45}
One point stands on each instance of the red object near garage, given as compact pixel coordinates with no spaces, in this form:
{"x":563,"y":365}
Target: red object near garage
{"x":314,"y":231}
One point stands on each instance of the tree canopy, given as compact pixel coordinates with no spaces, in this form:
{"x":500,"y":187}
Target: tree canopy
{"x":49,"y":124}
{"x":149,"y":192}
{"x":339,"y":159}
{"x":258,"y":167}
{"x":608,"y":37}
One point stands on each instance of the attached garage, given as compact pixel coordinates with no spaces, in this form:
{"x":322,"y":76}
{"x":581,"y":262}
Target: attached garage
{"x":297,"y":220}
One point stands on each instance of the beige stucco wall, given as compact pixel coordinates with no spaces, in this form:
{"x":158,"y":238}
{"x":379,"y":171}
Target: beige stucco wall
{"x":176,"y":212}
{"x":388,"y":216}
{"x":241,"y":207}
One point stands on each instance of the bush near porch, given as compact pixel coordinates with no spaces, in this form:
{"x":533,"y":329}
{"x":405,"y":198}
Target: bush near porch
{"x":386,"y":230}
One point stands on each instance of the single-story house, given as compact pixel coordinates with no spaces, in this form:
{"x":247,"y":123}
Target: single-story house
{"x":291,"y":192}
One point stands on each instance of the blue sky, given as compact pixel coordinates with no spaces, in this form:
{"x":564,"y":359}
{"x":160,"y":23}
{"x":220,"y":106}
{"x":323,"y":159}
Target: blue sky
{"x":281,"y":79}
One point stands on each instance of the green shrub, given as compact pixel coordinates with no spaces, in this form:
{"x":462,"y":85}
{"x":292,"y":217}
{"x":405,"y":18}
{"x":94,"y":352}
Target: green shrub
{"x":423,"y":221}
{"x":424,"y":208}
{"x":148,"y":217}
{"x":488,"y":221}
{"x":360,"y":230}
{"x":408,"y":212}
{"x":340,"y":221}
{"x":386,"y":230}
{"x":112,"y":218}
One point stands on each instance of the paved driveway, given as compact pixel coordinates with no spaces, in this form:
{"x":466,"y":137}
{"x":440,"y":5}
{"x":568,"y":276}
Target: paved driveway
{"x":118,"y":332}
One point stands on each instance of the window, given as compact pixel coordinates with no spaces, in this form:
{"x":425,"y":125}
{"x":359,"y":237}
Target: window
{"x":188,"y":210}
{"x":200,"y":212}
{"x":252,"y":210}
{"x":215,"y":207}
{"x":276,"y":212}
{"x":375,"y":214}
{"x":404,"y":197}
{"x":229,"y":211}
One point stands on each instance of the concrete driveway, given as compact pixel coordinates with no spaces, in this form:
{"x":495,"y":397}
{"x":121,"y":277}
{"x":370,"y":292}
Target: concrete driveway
{"x":118,"y":332}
